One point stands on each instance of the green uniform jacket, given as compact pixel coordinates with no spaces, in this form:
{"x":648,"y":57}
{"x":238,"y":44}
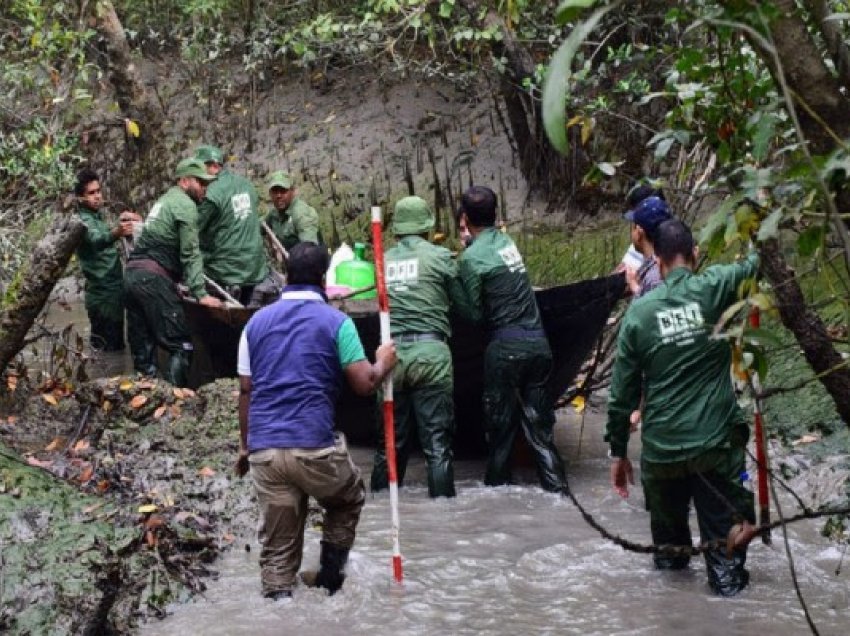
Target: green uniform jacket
{"x":229,"y":232}
{"x":98,"y":256}
{"x":423,"y":284}
{"x":170,"y":237}
{"x":496,"y":283}
{"x":296,"y":224}
{"x":665,"y":350}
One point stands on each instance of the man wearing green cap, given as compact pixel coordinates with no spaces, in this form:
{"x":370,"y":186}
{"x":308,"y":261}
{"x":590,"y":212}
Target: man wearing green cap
{"x":293,"y":221}
{"x":229,"y":232}
{"x":518,"y":360}
{"x":167,"y":252}
{"x":423,"y":284}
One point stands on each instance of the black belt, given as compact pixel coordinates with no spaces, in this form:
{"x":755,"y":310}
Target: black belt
{"x":428,"y":336}
{"x":517,"y":333}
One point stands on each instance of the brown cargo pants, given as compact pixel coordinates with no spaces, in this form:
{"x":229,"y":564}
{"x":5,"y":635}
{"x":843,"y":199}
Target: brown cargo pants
{"x":284,"y":479}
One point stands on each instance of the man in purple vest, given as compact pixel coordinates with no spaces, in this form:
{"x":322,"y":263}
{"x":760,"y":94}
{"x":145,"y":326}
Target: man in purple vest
{"x":293,"y":357}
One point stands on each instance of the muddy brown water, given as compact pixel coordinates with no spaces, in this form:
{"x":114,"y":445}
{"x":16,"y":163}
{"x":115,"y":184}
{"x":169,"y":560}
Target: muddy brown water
{"x":515,"y":560}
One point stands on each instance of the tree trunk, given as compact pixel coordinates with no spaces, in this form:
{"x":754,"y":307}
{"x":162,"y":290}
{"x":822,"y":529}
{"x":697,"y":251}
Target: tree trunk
{"x":821,"y":106}
{"x":807,"y":327}
{"x":833,"y":36}
{"x":33,"y":283}
{"x":544,"y":169}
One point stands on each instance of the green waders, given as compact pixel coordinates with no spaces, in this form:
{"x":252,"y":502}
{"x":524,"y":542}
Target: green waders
{"x":714,"y":481}
{"x":152,"y":300}
{"x":515,"y":376}
{"x":422,"y":396}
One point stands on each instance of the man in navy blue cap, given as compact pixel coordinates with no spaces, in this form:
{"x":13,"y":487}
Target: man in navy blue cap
{"x":645,"y":217}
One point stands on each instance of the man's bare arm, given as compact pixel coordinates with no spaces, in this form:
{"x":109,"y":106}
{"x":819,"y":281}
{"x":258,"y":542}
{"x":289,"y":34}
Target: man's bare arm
{"x":364,"y":377}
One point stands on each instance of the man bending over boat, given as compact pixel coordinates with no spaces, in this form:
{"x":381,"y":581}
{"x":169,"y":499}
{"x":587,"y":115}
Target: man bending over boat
{"x":293,"y":357}
{"x":166,"y":253}
{"x":694,"y":434}
{"x":423,"y":284}
{"x":518,"y":360}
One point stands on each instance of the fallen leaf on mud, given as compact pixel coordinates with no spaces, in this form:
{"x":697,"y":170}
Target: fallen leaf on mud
{"x":188,"y":393}
{"x":150,"y":538}
{"x":578,"y":403}
{"x":86,"y":474}
{"x":106,"y":406}
{"x":206,"y":471}
{"x":50,"y":398}
{"x":126,"y":385}
{"x":11,"y":420}
{"x":90,"y":509}
{"x":54,"y":445}
{"x":178,"y":393}
{"x":147,"y":509}
{"x":154,"y":521}
{"x":145,"y":384}
{"x":34,"y":461}
{"x":138,"y":401}
{"x":12,"y":382}
{"x":103,"y":485}
{"x":228,"y":538}
{"x":805,"y":439}
{"x":174,"y":411}
{"x":160,"y":411}
{"x":82,"y":445}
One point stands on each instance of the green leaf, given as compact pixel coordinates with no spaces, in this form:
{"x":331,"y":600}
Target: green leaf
{"x":769,"y":228}
{"x":765,"y":129}
{"x":762,"y":336}
{"x":570,"y":9}
{"x":555,"y":85}
{"x":810,"y":240}
{"x":446,"y":8}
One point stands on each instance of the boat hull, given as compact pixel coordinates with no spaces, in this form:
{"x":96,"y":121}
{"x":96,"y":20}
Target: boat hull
{"x":573,"y":317}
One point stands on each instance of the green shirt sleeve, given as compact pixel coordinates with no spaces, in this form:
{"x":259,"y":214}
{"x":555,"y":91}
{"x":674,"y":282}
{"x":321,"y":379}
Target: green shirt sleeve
{"x":725,"y":280}
{"x":348,"y":345}
{"x":190,"y":252}
{"x":626,"y":385}
{"x":98,"y":234}
{"x":306,"y":222}
{"x":470,"y":280}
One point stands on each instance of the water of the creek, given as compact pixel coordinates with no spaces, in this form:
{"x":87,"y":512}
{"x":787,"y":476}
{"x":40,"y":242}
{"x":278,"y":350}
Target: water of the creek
{"x":516,"y":560}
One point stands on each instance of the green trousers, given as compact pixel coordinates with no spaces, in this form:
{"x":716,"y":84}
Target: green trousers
{"x":713,"y":481}
{"x":515,"y":376}
{"x":154,"y":305}
{"x":423,"y":405}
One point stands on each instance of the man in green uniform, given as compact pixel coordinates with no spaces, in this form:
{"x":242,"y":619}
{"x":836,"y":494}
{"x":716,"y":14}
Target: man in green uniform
{"x":518,"y":360}
{"x":101,"y":265}
{"x":230,"y":236}
{"x":292,"y":221}
{"x":693,"y":434}
{"x":168,"y":252}
{"x":422,"y":283}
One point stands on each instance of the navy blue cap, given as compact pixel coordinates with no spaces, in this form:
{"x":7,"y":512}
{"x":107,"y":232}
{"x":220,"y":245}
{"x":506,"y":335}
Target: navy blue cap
{"x":649,"y":213}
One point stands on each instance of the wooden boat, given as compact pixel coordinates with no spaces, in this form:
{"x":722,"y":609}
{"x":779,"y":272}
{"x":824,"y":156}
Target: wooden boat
{"x":573,"y":317}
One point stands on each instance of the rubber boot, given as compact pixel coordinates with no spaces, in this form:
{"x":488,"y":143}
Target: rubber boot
{"x":144,"y":358}
{"x":726,"y":576}
{"x":331,"y":567}
{"x":177,"y":372}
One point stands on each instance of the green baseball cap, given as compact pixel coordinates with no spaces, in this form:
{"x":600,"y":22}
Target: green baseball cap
{"x":412,"y":216}
{"x":279,"y":179}
{"x":193,"y":167}
{"x":209,"y":154}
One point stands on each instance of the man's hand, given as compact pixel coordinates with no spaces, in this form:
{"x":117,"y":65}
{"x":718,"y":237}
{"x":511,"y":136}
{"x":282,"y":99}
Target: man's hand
{"x":242,"y":465}
{"x":621,"y":476}
{"x":210,"y":301}
{"x":634,"y":421}
{"x":386,"y":355}
{"x":632,"y":282}
{"x":130,"y":215}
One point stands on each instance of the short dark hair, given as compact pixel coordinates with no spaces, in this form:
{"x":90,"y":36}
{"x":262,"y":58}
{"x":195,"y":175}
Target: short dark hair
{"x":479,"y":204}
{"x":307,"y":264}
{"x":84,"y":177}
{"x":673,"y":238}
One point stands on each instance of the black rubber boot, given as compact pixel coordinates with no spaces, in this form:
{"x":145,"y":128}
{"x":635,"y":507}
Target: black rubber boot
{"x":277,"y":595}
{"x":331,"y":567}
{"x":726,"y":576}
{"x":144,"y":358}
{"x":177,"y":372}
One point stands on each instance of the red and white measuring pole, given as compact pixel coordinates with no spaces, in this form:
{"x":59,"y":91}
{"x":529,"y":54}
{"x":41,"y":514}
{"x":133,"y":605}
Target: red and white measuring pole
{"x":389,"y":416}
{"x":760,"y":443}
